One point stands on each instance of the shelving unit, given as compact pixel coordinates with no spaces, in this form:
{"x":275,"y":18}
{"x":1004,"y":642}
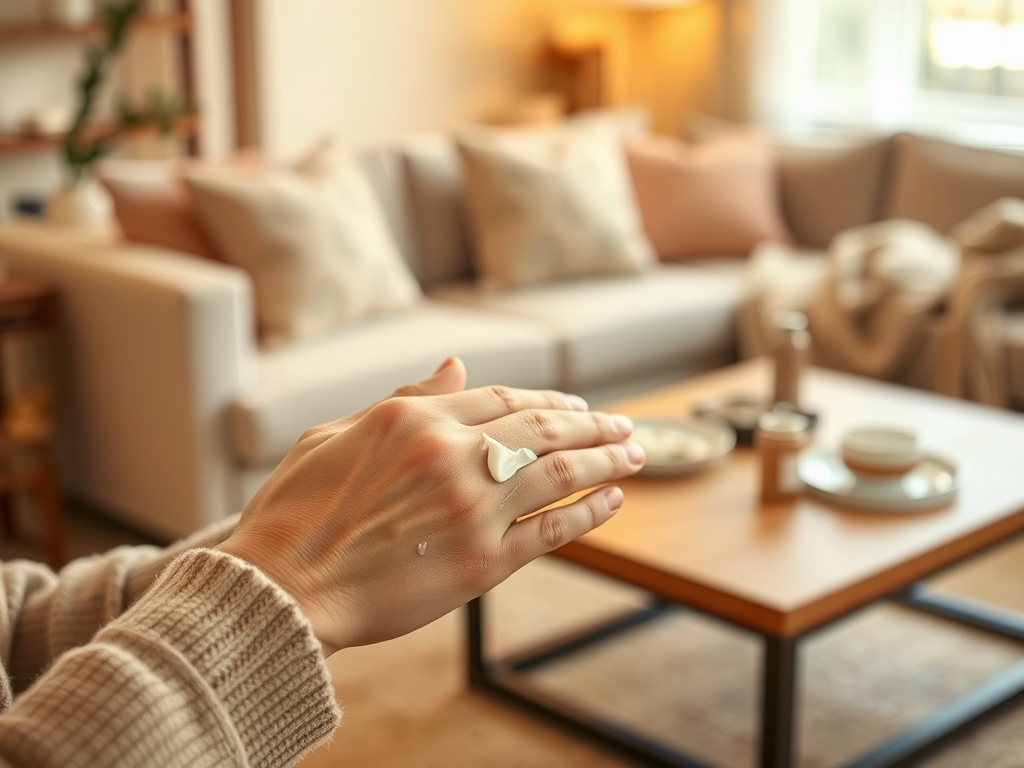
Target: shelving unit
{"x":178,"y":24}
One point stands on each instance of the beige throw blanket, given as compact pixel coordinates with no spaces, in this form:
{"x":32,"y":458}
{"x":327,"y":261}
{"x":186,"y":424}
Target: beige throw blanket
{"x":896,"y":300}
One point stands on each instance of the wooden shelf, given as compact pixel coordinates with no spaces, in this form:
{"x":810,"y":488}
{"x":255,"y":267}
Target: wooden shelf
{"x":16,"y":143}
{"x":26,"y":33}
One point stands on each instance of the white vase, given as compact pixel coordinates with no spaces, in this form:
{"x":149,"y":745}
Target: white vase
{"x":83,"y":203}
{"x":69,"y":13}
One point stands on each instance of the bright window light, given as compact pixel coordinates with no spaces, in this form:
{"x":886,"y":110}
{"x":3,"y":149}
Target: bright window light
{"x":953,"y":67}
{"x":971,"y":43}
{"x":1013,"y":46}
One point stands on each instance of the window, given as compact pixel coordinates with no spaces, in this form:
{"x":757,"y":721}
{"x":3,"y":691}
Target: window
{"x":953,"y":67}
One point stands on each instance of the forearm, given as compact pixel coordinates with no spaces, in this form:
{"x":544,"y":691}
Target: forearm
{"x":215,"y":664}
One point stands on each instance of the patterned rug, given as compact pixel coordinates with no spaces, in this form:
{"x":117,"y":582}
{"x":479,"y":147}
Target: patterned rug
{"x":684,"y":679}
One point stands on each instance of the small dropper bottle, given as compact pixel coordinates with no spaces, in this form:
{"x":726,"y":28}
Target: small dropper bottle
{"x":792,"y":350}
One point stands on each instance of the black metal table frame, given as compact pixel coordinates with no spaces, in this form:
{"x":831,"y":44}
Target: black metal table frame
{"x":508,"y":678}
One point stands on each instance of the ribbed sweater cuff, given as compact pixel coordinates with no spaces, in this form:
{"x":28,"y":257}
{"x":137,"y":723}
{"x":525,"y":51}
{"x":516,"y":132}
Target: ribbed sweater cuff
{"x":248,"y":640}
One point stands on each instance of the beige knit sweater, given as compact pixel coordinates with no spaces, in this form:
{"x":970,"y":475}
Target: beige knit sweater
{"x":211,"y":665}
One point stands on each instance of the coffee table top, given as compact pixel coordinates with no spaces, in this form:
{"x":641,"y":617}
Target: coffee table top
{"x":707,"y":541}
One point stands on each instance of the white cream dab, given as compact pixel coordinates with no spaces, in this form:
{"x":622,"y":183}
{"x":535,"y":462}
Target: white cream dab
{"x":504,"y":462}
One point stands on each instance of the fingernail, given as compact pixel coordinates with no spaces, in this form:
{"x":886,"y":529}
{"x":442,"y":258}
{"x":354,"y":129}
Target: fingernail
{"x":635,"y":453}
{"x":613,"y":497}
{"x":623,"y":424}
{"x":576,"y":403}
{"x":444,"y":365}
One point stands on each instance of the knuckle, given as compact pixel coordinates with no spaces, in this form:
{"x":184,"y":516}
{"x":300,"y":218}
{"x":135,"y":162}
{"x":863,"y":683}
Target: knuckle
{"x":563,"y":472}
{"x":617,"y":456}
{"x":604,"y":424}
{"x":311,"y":435}
{"x":396,"y":415}
{"x":406,"y":390}
{"x":554,"y":530}
{"x":542,"y":425}
{"x":505,"y":397}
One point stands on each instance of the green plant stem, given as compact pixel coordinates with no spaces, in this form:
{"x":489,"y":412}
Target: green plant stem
{"x":80,"y":153}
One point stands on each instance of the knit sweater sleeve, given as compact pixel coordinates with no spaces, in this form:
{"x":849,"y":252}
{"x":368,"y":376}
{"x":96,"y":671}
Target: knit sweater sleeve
{"x":42,"y":615}
{"x":213,"y":665}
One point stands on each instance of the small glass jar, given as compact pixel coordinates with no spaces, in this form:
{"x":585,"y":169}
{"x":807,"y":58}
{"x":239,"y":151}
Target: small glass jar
{"x":780,"y":437}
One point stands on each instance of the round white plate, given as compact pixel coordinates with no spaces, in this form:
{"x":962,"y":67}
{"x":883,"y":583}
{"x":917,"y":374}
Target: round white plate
{"x":681,"y":446}
{"x":930,"y":484}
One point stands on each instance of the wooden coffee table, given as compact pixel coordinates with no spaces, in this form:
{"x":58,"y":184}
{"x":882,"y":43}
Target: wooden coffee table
{"x":706,"y":542}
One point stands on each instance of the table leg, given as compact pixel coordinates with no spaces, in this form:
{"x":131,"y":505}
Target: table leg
{"x":476,"y":670}
{"x":778,"y":702}
{"x":52,"y":510}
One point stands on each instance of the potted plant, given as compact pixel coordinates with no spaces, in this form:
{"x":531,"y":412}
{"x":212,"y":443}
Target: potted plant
{"x":81,"y":200}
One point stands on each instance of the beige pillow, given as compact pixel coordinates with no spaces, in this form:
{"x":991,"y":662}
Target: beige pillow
{"x":551,"y":204}
{"x":312,"y":239}
{"x":717,"y":198}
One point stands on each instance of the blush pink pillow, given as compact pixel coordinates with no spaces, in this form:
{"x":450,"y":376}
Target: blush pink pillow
{"x":159,"y":214}
{"x":153,"y":205}
{"x":717,"y":198}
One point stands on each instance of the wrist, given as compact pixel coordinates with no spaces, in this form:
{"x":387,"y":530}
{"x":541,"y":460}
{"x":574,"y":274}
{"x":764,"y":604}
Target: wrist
{"x":255,"y":554}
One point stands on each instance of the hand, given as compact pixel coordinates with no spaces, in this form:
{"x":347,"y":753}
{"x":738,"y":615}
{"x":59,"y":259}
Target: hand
{"x":341,"y":522}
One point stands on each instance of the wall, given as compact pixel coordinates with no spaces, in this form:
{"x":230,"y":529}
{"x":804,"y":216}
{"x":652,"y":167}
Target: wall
{"x":369,"y":71}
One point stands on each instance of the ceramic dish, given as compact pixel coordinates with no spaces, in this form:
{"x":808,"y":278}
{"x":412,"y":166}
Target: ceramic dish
{"x":881,"y":450}
{"x":929,"y":484}
{"x":742,"y":413}
{"x":681,"y":446}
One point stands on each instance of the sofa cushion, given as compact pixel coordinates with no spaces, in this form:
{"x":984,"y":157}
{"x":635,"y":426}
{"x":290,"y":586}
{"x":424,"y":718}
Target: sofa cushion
{"x":941,"y":184}
{"x":551,"y":204}
{"x":434,"y":180}
{"x":615,"y":328}
{"x":825,"y":190}
{"x":715,"y":198}
{"x":313,"y":240}
{"x":325,"y":378}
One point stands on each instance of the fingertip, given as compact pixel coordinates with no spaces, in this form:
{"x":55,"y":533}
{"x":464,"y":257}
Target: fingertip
{"x":447,"y":363}
{"x":575,"y":403}
{"x":635,"y":454}
{"x":613,"y":498}
{"x":623,"y":424}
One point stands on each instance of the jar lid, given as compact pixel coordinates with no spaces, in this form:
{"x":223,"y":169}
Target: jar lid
{"x":783,"y":425}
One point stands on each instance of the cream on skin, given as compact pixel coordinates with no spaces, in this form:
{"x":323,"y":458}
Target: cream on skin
{"x":503,"y":462}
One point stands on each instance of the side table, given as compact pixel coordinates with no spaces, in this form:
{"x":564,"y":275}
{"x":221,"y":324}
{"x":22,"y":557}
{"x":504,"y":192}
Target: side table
{"x":27,"y":456}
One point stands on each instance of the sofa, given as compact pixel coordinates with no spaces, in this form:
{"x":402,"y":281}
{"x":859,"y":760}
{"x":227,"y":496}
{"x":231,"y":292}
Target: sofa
{"x":172,"y":413}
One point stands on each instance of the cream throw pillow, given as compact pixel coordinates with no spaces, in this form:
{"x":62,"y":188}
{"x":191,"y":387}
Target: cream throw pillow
{"x":313,"y":240}
{"x":551,"y":204}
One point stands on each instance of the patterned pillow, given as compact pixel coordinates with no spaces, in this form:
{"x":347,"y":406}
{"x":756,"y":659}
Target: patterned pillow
{"x":313,"y":240}
{"x":551,"y":204}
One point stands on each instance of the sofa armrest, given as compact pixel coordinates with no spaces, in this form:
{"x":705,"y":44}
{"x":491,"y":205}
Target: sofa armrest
{"x":153,"y":346}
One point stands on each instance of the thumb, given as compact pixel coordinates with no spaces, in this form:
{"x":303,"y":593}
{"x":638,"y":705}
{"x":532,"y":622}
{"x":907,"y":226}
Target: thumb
{"x":450,"y":377}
